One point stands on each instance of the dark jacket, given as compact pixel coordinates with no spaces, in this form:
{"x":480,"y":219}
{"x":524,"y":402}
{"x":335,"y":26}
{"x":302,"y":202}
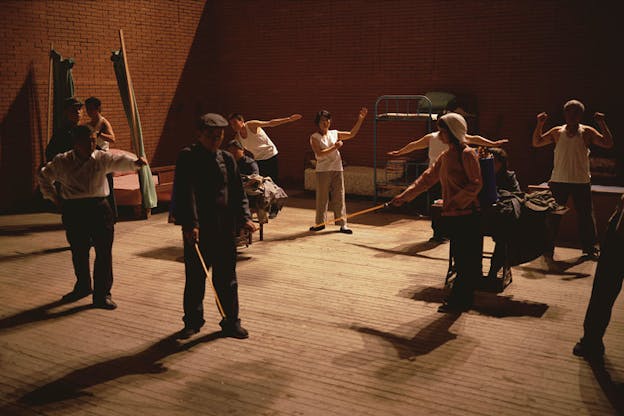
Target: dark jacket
{"x":208,"y":191}
{"x":247,"y":166}
{"x":62,"y":141}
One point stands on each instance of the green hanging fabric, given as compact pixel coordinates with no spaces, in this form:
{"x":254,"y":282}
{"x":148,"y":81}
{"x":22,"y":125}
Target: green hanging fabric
{"x":146,"y":181}
{"x":63,"y":86}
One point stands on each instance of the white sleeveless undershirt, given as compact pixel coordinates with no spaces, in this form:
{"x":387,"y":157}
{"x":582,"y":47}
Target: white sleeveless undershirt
{"x":571,"y":159}
{"x":436,"y":147}
{"x":258,"y":143}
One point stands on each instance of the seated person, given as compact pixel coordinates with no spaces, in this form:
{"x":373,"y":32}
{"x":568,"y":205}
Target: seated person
{"x":264,"y":195}
{"x":505,"y":181}
{"x":246,"y":165}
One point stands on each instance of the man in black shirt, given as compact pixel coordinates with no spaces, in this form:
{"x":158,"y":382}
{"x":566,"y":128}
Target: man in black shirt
{"x":211,"y":206}
{"x":62,"y":138}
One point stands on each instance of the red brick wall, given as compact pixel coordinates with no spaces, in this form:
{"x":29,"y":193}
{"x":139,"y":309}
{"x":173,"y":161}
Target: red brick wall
{"x":154,"y":31}
{"x":516,"y":58}
{"x":270,"y":59}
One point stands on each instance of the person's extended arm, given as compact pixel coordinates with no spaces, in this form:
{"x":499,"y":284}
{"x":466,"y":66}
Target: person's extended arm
{"x":346,"y":135}
{"x":419,"y":144}
{"x":541,"y":139}
{"x":254,"y":124}
{"x":482,"y":141}
{"x":425,"y":181}
{"x":46,"y":177}
{"x":604,"y":138}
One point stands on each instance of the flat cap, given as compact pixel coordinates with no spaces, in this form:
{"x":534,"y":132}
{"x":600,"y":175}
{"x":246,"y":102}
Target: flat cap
{"x":213,"y":120}
{"x":72,"y":102}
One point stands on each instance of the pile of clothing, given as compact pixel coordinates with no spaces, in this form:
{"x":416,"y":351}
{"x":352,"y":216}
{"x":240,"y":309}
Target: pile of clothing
{"x":266,"y":199}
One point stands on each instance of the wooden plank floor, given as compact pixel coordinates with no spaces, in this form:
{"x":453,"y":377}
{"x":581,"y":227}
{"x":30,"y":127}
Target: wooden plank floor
{"x":339,"y":325}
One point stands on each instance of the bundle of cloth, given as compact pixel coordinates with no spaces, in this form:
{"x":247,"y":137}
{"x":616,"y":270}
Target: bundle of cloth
{"x":266,"y":198}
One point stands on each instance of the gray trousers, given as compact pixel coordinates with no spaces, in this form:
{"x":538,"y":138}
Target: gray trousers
{"x":330,"y":189}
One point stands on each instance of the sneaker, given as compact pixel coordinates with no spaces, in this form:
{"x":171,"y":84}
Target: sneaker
{"x":76,"y":294}
{"x":581,"y":349}
{"x":106,"y":303}
{"x":346,"y":230}
{"x":319,"y":228}
{"x":233,"y":329}
{"x":186,"y":332}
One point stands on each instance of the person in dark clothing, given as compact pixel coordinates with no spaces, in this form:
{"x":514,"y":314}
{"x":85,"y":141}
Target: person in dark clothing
{"x":246,"y":165}
{"x":606,"y":288}
{"x":211,"y":207}
{"x":505,"y":181}
{"x":87,"y":215}
{"x":62,"y":140}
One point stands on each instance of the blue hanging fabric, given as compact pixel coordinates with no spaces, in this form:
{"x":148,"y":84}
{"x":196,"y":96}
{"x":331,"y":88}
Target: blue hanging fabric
{"x":146,"y":181}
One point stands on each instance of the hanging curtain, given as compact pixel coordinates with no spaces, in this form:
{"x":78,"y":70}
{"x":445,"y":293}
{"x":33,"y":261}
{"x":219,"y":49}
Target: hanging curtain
{"x":63,"y":86}
{"x":146,"y":181}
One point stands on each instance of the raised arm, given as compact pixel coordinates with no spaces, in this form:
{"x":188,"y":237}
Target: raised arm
{"x":419,"y":144}
{"x":604,"y":138}
{"x":539,"y":138}
{"x":346,"y":135}
{"x":254,"y":124}
{"x":482,"y":141}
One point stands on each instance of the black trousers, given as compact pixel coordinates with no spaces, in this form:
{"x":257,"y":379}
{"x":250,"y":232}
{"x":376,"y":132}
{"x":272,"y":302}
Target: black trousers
{"x":606,"y":288}
{"x":269,"y":167}
{"x":467,"y":248}
{"x":90,"y":221}
{"x":219,"y":252}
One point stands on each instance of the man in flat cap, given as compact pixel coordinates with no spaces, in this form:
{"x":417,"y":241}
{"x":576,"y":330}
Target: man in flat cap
{"x":211,"y":206}
{"x":61,"y":140}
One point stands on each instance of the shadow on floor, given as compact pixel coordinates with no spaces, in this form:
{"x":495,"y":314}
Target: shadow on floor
{"x":412,"y":250}
{"x":41,"y":313}
{"x":19,"y":256}
{"x":488,"y":304}
{"x":426,"y":340}
{"x":26,"y":229}
{"x":74,"y":384}
{"x":612,"y":390}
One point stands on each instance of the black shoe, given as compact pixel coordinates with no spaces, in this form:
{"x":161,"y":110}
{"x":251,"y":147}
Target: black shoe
{"x":106,"y":303}
{"x":233,"y":329}
{"x":76,"y":294}
{"x":591,"y":353}
{"x":186,"y":332}
{"x":438,"y":239}
{"x":319,"y":228}
{"x":345,"y":230}
{"x":592,"y":254}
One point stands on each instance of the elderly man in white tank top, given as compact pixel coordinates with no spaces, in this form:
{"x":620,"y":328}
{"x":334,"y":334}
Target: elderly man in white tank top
{"x":570,"y":174}
{"x":252,"y":136}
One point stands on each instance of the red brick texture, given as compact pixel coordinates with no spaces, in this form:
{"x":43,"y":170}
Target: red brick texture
{"x":269,"y":59}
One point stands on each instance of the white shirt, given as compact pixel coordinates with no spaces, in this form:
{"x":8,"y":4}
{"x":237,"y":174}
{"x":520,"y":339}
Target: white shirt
{"x":436,"y":147}
{"x":101,"y":126}
{"x":258,"y":143}
{"x":331,"y":161}
{"x":571,"y":159}
{"x":81,"y":178}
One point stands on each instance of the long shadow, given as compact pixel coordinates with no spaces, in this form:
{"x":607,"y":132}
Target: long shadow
{"x":21,"y":229}
{"x":176,"y":253}
{"x":74,"y":384}
{"x":412,"y":250}
{"x":40,"y":313}
{"x":33,"y":253}
{"x":489,"y":304}
{"x":20,"y":133}
{"x":614,"y":391}
{"x":423,"y":342}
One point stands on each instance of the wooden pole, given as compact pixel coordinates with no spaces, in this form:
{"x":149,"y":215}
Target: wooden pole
{"x":50,"y":95}
{"x":355,"y":214}
{"x":201,"y":259}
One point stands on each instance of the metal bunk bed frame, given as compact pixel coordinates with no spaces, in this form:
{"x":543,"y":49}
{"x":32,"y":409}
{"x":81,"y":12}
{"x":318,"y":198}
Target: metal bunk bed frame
{"x":406,"y":108}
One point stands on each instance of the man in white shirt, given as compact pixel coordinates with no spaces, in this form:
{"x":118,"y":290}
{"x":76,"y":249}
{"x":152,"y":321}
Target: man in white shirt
{"x":87,"y":215}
